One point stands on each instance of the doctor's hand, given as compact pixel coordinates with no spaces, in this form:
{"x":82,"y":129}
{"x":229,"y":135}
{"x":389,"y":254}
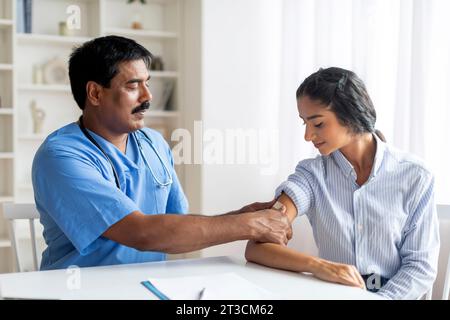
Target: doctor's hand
{"x":270,"y":225}
{"x":337,"y":272}
{"x":257,"y":206}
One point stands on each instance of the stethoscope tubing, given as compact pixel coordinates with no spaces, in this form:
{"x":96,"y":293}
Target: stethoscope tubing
{"x":116,"y":176}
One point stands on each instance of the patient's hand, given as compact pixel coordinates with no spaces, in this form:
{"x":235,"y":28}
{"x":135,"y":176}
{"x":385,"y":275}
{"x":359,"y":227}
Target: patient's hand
{"x":337,"y":272}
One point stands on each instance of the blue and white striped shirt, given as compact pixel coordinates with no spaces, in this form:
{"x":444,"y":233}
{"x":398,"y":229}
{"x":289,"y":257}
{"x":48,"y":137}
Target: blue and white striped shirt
{"x":387,"y":226}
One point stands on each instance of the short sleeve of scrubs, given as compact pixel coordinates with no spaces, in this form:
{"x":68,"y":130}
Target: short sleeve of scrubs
{"x":298,"y":188}
{"x":78,"y":197}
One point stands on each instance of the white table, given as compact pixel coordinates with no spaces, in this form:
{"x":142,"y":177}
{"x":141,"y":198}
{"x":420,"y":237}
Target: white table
{"x":124,"y":281}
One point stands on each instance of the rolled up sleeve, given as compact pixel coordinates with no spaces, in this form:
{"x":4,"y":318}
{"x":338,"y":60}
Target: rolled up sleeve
{"x":298,"y":188}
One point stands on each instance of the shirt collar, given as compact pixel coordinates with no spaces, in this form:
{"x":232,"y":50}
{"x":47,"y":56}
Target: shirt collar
{"x":342,"y":163}
{"x":379,"y":155}
{"x":114,"y":153}
{"x":347,"y":167}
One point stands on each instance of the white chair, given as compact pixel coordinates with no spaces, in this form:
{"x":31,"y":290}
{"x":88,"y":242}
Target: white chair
{"x":22,"y":211}
{"x":446,"y":289}
{"x":444,"y":213}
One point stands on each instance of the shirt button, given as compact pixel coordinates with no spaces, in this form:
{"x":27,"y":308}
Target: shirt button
{"x":360,"y":227}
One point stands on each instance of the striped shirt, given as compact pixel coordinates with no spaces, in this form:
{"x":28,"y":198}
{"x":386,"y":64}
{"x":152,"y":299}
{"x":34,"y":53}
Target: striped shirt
{"x":388,"y":226}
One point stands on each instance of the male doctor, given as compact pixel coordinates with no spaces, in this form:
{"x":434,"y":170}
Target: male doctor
{"x":106,"y":188}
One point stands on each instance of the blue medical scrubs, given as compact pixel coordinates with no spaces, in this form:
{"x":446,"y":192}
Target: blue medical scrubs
{"x":78,"y":200}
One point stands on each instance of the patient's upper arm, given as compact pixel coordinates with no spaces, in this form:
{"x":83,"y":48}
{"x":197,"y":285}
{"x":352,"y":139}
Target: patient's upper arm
{"x":291,"y":209}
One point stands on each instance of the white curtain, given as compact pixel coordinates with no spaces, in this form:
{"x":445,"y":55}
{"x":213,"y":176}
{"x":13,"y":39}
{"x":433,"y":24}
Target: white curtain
{"x":400,"y":48}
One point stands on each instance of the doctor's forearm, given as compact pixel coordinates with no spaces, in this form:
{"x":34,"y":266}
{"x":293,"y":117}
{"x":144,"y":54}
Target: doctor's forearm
{"x":172,"y":233}
{"x":180,"y":234}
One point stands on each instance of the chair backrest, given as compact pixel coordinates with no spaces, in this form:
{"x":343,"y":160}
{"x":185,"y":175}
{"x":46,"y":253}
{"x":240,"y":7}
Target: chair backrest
{"x":22,"y":211}
{"x":444,"y":214}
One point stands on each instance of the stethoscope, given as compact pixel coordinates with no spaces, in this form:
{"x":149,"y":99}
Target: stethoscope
{"x":116,"y":176}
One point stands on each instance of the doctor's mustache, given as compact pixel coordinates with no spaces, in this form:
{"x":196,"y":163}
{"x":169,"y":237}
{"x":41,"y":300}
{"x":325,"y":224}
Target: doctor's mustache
{"x":144,"y":106}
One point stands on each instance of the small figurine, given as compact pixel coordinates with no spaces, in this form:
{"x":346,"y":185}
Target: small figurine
{"x":38,"y":116}
{"x":64,"y":29}
{"x":157,"y":64}
{"x":38,"y":74}
{"x":54,"y":71}
{"x":136,"y":24}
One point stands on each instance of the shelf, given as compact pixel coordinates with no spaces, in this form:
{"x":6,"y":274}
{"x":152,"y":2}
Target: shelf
{"x":5,"y":23}
{"x":160,"y":2}
{"x":32,"y":137}
{"x":161,"y":114}
{"x":6,"y":111}
{"x":6,"y":67}
{"x":163,"y":74}
{"x":6,"y":199}
{"x":45,"y":87}
{"x":142,"y":33}
{"x":6,"y":155}
{"x":5,"y":243}
{"x":25,"y":186}
{"x":32,"y":38}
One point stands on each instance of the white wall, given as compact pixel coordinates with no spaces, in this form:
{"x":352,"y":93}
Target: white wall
{"x":240,"y":76}
{"x":191,"y":69}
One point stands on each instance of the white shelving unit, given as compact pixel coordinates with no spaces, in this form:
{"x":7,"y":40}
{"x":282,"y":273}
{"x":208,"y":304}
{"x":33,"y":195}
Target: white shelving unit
{"x":33,"y":137}
{"x":161,"y":24}
{"x":164,"y":74}
{"x":7,"y":33}
{"x":162,"y":114}
{"x":40,"y":39}
{"x":131,"y":33}
{"x":5,"y":112}
{"x":6,"y":155}
{"x":5,"y":23}
{"x":6,"y":67}
{"x":45,"y":88}
{"x":4,"y":243}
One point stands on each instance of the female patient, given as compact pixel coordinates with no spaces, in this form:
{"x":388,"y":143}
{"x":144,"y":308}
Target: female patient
{"x":371,"y":207}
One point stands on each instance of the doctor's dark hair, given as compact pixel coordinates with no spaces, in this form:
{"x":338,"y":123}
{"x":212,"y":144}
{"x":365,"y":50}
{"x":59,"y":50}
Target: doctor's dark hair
{"x":98,"y":60}
{"x":345,"y":95}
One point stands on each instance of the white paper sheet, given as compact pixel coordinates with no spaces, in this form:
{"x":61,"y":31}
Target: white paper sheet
{"x":217,"y":287}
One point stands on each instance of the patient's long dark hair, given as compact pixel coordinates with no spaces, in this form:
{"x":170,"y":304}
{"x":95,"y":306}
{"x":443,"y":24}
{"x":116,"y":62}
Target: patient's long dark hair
{"x":346,"y":95}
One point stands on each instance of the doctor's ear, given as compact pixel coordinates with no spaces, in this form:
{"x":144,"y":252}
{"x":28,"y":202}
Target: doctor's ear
{"x":93,"y":92}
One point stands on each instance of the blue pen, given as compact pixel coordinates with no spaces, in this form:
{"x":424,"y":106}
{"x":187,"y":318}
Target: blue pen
{"x":201,"y":294}
{"x":154,"y":290}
